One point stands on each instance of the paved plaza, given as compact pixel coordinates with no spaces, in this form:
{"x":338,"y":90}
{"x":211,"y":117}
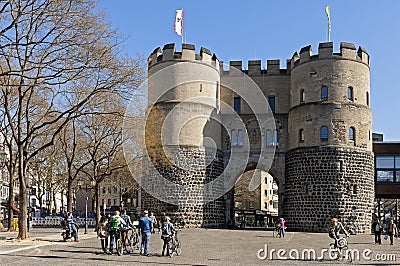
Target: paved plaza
{"x":199,"y":247}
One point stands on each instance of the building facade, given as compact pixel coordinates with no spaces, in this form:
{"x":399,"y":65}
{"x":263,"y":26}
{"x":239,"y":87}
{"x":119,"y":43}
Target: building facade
{"x":258,"y":207}
{"x":323,"y":163}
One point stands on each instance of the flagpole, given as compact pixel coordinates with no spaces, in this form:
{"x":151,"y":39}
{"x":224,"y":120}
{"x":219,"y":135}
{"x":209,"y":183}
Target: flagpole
{"x":182,"y":26}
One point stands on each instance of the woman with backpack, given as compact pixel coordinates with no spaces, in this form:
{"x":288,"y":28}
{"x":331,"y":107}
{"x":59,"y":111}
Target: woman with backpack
{"x":167,"y":230}
{"x":102,"y":233}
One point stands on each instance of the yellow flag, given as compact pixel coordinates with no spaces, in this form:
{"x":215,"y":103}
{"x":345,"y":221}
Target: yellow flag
{"x":328,"y":13}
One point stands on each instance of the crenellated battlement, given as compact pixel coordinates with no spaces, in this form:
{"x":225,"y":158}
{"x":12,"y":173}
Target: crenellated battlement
{"x":188,"y":53}
{"x":325,"y":51}
{"x":254,"y":67}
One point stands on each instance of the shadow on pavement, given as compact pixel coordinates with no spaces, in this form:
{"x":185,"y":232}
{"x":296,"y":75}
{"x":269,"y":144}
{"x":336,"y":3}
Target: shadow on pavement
{"x":125,"y":259}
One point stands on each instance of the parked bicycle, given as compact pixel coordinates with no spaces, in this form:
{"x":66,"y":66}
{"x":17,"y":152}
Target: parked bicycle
{"x":174,"y":244}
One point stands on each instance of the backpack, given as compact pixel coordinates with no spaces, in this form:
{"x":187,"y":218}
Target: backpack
{"x":114,"y":223}
{"x":165,"y":229}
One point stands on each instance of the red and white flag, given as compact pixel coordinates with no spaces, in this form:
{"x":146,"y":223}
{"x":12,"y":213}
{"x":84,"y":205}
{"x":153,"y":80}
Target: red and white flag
{"x":178,"y":26}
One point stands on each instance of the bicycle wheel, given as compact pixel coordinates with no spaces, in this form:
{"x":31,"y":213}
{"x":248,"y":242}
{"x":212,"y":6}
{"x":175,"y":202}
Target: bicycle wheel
{"x":334,"y":253}
{"x":171,"y":248}
{"x":346,"y":254}
{"x":135,"y":240}
{"x":275,"y":233}
{"x":128,"y":243}
{"x":119,"y":247}
{"x":178,"y":247}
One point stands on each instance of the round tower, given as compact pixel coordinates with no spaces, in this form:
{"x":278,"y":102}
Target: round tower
{"x":183,"y":136}
{"x":329,"y":163}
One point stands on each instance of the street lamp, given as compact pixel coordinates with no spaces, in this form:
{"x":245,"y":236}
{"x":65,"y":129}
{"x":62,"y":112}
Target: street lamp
{"x":29,"y":188}
{"x":86,"y":201}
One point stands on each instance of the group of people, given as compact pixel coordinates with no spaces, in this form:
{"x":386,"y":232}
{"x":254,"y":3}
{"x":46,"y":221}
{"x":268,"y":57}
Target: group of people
{"x":390,"y":230}
{"x":109,"y":227}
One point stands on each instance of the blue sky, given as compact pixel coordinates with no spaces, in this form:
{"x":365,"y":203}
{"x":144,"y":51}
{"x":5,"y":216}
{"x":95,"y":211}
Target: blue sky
{"x":261,"y":29}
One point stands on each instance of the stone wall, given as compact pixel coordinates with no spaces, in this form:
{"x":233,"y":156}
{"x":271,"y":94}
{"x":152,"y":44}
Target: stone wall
{"x":186,"y":205}
{"x":326,"y":182}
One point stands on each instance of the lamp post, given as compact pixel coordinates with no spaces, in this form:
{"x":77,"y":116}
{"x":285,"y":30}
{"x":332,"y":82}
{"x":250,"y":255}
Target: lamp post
{"x":86,"y":205}
{"x":86,"y":225}
{"x":28,"y":188}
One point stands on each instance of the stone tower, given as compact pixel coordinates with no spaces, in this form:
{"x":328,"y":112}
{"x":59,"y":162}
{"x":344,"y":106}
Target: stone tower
{"x":183,"y":138}
{"x":329,"y":162}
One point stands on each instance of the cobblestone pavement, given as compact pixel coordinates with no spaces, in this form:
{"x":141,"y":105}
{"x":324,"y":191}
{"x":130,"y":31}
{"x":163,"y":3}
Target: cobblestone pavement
{"x":199,"y":247}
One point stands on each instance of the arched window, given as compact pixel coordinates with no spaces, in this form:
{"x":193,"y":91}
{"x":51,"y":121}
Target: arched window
{"x":302,"y":96}
{"x":352,"y":133}
{"x":324,"y":93}
{"x":350,"y":95}
{"x":367,"y":96}
{"x":234,"y":138}
{"x":270,"y":139}
{"x":324,"y":133}
{"x":240,"y":137}
{"x":301,"y":135}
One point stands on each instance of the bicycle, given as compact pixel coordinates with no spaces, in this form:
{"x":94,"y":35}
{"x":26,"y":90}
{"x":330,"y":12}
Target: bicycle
{"x":131,"y":240}
{"x":341,"y":251}
{"x":174,"y":245}
{"x":119,"y":246}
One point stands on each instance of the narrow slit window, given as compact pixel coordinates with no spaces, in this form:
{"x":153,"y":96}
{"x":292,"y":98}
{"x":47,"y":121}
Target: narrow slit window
{"x":350,"y":95}
{"x":234,"y":138}
{"x":236,"y":104}
{"x":324,"y":93}
{"x":301,"y":135}
{"x":271,"y":102}
{"x":240,"y":137}
{"x":302,"y":96}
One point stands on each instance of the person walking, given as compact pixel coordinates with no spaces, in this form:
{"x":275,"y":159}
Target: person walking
{"x":116,"y":224}
{"x":392,"y":231}
{"x":152,"y":217}
{"x":282,"y":228}
{"x":167,"y":233}
{"x":162,"y":220}
{"x":146,"y":226}
{"x":102,"y":233}
{"x":377,"y":229}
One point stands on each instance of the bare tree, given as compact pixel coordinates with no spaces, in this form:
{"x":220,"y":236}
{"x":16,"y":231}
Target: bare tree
{"x":56,"y":56}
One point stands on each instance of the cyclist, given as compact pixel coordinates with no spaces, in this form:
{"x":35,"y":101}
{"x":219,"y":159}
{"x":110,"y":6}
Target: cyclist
{"x":125,"y":229}
{"x":72,"y":226}
{"x":116,"y":224}
{"x":335,"y":229}
{"x":167,"y":234}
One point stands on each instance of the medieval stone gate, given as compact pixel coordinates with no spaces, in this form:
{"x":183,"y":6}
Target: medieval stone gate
{"x":320,"y":139}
